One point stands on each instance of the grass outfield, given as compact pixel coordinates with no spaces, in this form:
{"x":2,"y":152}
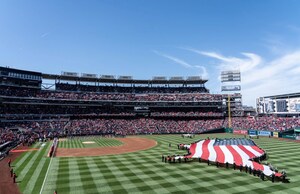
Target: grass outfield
{"x":83,"y":142}
{"x":143,"y":172}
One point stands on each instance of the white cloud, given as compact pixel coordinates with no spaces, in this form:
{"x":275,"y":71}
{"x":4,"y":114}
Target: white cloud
{"x":184,"y":64}
{"x":204,"y":71}
{"x":229,"y":63}
{"x":260,"y":77}
{"x":174,"y":59}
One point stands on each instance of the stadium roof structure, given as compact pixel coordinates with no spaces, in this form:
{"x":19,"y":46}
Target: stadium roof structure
{"x":283,"y":96}
{"x":124,"y":79}
{"x":8,"y":69}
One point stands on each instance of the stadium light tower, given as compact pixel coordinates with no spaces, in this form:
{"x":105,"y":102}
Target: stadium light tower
{"x":230,"y":81}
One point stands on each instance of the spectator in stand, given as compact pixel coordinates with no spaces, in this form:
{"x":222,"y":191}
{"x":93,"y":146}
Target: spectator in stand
{"x":264,"y":123}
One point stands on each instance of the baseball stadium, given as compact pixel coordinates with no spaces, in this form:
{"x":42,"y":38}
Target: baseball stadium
{"x":123,"y":135}
{"x":149,"y":97}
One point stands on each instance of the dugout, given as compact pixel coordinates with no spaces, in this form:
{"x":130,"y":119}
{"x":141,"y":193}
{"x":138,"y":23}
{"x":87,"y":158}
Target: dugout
{"x":219,"y":130}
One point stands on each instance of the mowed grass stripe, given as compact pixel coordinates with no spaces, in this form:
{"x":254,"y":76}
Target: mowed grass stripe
{"x":80,"y":145}
{"x":41,"y":177}
{"x":86,"y":176}
{"x":104,"y":142}
{"x":30,"y":172}
{"x":72,"y":144}
{"x":127,"y":176}
{"x":22,"y":167}
{"x":62,"y":181}
{"x":20,"y":160}
{"x":98,"y":174}
{"x":75,"y":184}
{"x":112,"y":181}
{"x":35,"y":171}
{"x":50,"y":179}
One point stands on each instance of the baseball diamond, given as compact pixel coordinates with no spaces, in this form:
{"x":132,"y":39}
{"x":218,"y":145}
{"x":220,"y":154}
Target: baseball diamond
{"x":144,"y":172}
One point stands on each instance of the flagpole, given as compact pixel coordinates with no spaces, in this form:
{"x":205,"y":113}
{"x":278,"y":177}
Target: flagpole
{"x":229,"y":112}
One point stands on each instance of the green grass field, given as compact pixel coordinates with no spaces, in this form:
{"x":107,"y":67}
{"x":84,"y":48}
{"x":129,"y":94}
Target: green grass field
{"x":80,"y":142}
{"x":143,"y":172}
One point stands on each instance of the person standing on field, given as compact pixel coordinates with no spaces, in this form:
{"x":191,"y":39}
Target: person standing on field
{"x":14,"y":178}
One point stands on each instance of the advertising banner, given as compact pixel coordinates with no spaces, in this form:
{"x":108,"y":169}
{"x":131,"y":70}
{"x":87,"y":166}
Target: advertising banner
{"x":275,"y":134}
{"x":252,"y":132}
{"x":244,"y":132}
{"x":264,"y":133}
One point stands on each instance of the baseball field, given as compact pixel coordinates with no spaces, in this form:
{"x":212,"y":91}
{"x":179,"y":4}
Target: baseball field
{"x":144,"y":172}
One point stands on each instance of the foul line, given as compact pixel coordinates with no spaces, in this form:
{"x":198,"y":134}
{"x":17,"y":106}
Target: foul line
{"x":46,"y":175}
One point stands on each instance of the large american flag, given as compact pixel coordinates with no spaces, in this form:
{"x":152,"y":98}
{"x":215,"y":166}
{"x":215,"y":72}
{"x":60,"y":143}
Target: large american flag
{"x":235,"y":150}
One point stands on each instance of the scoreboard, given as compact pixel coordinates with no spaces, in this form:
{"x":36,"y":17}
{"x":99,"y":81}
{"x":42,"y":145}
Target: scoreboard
{"x":230,"y":76}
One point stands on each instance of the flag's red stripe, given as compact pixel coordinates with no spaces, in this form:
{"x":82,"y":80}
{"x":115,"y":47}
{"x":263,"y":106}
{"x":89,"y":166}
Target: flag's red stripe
{"x":257,"y":149}
{"x":258,"y":166}
{"x":236,"y":156}
{"x":192,"y":150}
{"x":220,"y":154}
{"x":250,"y":154}
{"x":205,"y":151}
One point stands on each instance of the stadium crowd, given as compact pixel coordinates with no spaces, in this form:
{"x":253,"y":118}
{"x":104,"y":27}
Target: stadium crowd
{"x":264,"y":123}
{"x":138,"y":126}
{"x":129,"y":89}
{"x":96,"y":96}
{"x":132,"y":125}
{"x":190,"y":113}
{"x":30,"y":131}
{"x":195,"y":97}
{"x":118,"y":126}
{"x":11,"y":137}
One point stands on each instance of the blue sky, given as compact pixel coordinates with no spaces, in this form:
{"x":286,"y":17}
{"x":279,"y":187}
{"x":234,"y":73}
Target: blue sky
{"x":158,"y":38}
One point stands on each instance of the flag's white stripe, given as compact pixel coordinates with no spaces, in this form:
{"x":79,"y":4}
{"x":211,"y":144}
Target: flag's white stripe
{"x":267,"y":171}
{"x":198,"y":151}
{"x":252,"y":151}
{"x":243,"y":155}
{"x":227,"y":154}
{"x":212,"y":151}
{"x":249,"y":163}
